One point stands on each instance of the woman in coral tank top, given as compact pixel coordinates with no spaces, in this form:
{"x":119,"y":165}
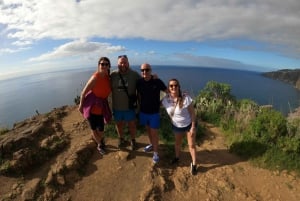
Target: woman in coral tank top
{"x":94,"y":104}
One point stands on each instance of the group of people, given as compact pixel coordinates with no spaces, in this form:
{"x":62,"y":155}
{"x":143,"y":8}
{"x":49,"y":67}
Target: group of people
{"x":124,"y":84}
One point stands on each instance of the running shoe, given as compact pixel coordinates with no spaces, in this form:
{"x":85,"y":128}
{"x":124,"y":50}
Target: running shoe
{"x":155,"y":158}
{"x":101,"y":150}
{"x":148,"y":148}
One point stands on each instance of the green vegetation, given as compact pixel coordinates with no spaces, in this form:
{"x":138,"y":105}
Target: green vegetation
{"x":3,"y":131}
{"x":254,"y":132}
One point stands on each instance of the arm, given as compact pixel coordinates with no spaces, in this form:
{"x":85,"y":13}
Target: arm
{"x":193,"y":118}
{"x":89,"y":85}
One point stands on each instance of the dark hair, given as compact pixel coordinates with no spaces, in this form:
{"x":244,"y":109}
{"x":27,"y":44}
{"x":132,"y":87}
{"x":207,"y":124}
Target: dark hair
{"x":107,"y":60}
{"x":104,"y":59}
{"x":180,"y":97}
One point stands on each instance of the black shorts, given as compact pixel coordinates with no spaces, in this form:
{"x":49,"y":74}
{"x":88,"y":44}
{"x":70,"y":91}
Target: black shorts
{"x":96,"y":122}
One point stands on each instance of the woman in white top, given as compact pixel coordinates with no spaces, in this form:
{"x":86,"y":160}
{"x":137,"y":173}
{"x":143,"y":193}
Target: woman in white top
{"x":180,"y":108}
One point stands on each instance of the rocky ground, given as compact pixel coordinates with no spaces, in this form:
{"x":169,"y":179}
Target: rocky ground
{"x":52,"y":157}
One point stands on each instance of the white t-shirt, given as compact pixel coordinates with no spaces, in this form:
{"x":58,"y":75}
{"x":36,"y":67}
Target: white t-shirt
{"x":180,"y":116}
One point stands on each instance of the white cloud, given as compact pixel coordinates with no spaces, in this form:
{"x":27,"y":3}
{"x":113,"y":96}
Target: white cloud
{"x":22,"y":43}
{"x":79,"y":48}
{"x":276,"y":23}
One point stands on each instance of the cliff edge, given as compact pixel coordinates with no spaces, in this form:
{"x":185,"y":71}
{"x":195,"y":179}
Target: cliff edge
{"x":286,"y":75}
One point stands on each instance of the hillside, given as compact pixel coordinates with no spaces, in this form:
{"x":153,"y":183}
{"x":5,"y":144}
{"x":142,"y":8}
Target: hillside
{"x":286,"y":75}
{"x":52,"y":157}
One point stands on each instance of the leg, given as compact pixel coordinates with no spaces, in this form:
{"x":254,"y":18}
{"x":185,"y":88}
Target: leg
{"x":97,"y":136}
{"x":132,"y":129}
{"x":120,"y":131}
{"x":178,"y":142}
{"x":120,"y":128}
{"x":97,"y":126}
{"x":192,"y":146}
{"x":148,"y":129}
{"x":154,"y":139}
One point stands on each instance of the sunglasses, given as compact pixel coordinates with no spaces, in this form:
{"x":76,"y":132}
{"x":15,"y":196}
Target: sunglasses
{"x":122,"y":56}
{"x":104,"y":64}
{"x":145,"y":70}
{"x":173,"y":85}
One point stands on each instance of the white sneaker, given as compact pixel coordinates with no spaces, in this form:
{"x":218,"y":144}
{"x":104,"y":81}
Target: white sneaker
{"x":155,"y":158}
{"x":148,"y":148}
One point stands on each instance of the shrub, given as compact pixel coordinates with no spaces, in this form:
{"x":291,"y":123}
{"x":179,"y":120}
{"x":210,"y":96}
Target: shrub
{"x":268,"y":126}
{"x":3,"y":131}
{"x":214,"y":101}
{"x":248,"y":149}
{"x":293,"y":127}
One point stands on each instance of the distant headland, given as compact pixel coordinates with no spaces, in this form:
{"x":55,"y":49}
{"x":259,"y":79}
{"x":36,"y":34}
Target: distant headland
{"x":291,"y":76}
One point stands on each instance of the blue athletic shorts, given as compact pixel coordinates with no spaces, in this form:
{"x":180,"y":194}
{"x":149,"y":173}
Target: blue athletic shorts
{"x":181,"y":129}
{"x":152,"y":120}
{"x":127,"y":115}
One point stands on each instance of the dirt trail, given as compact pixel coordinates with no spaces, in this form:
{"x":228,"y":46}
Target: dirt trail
{"x":125,"y":175}
{"x":131,"y":176}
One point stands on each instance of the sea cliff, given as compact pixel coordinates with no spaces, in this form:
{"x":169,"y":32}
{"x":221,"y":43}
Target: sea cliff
{"x":291,"y":76}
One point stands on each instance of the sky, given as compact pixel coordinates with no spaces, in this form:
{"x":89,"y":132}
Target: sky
{"x":47,"y":35}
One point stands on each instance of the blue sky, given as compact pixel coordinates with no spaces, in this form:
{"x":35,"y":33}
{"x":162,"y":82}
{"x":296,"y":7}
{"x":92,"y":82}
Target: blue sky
{"x":45,"y":35}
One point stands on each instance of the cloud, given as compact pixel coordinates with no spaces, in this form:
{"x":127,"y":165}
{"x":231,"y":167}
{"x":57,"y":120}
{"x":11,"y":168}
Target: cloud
{"x":78,"y":48}
{"x":22,"y":43}
{"x":275,"y":23}
{"x":9,"y":50}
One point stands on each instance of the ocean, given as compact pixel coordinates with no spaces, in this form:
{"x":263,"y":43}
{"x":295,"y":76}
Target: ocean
{"x":22,"y":97}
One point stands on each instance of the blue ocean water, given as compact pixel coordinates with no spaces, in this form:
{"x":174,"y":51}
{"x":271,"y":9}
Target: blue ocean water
{"x":20,"y":97}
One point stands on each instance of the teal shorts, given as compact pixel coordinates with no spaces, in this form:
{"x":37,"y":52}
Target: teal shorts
{"x":124,"y":115}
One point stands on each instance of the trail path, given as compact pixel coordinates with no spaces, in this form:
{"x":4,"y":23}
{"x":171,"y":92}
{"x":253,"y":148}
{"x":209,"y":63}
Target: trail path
{"x":131,"y":176}
{"x":125,"y":175}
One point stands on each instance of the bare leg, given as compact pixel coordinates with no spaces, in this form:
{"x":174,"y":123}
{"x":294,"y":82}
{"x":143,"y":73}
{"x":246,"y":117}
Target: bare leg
{"x":154,"y":139}
{"x":178,"y":141}
{"x":97,"y":136}
{"x":149,"y":134}
{"x":119,"y":128}
{"x":132,"y":129}
{"x":192,"y":146}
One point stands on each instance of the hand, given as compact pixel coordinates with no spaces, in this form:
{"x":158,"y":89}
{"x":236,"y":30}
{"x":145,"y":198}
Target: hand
{"x":193,"y":130}
{"x":80,"y":109}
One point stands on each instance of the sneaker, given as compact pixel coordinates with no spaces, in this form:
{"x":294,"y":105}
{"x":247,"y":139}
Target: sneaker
{"x":193,"y":169}
{"x":155,"y":158}
{"x":174,"y":161}
{"x":121,"y":143}
{"x":101,"y":150}
{"x":133,"y":145}
{"x":148,"y":148}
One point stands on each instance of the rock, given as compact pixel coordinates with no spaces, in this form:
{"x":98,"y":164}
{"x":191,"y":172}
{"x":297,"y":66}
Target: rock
{"x":30,"y":189}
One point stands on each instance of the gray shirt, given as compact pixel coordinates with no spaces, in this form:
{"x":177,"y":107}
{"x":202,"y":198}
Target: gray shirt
{"x":119,"y":96}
